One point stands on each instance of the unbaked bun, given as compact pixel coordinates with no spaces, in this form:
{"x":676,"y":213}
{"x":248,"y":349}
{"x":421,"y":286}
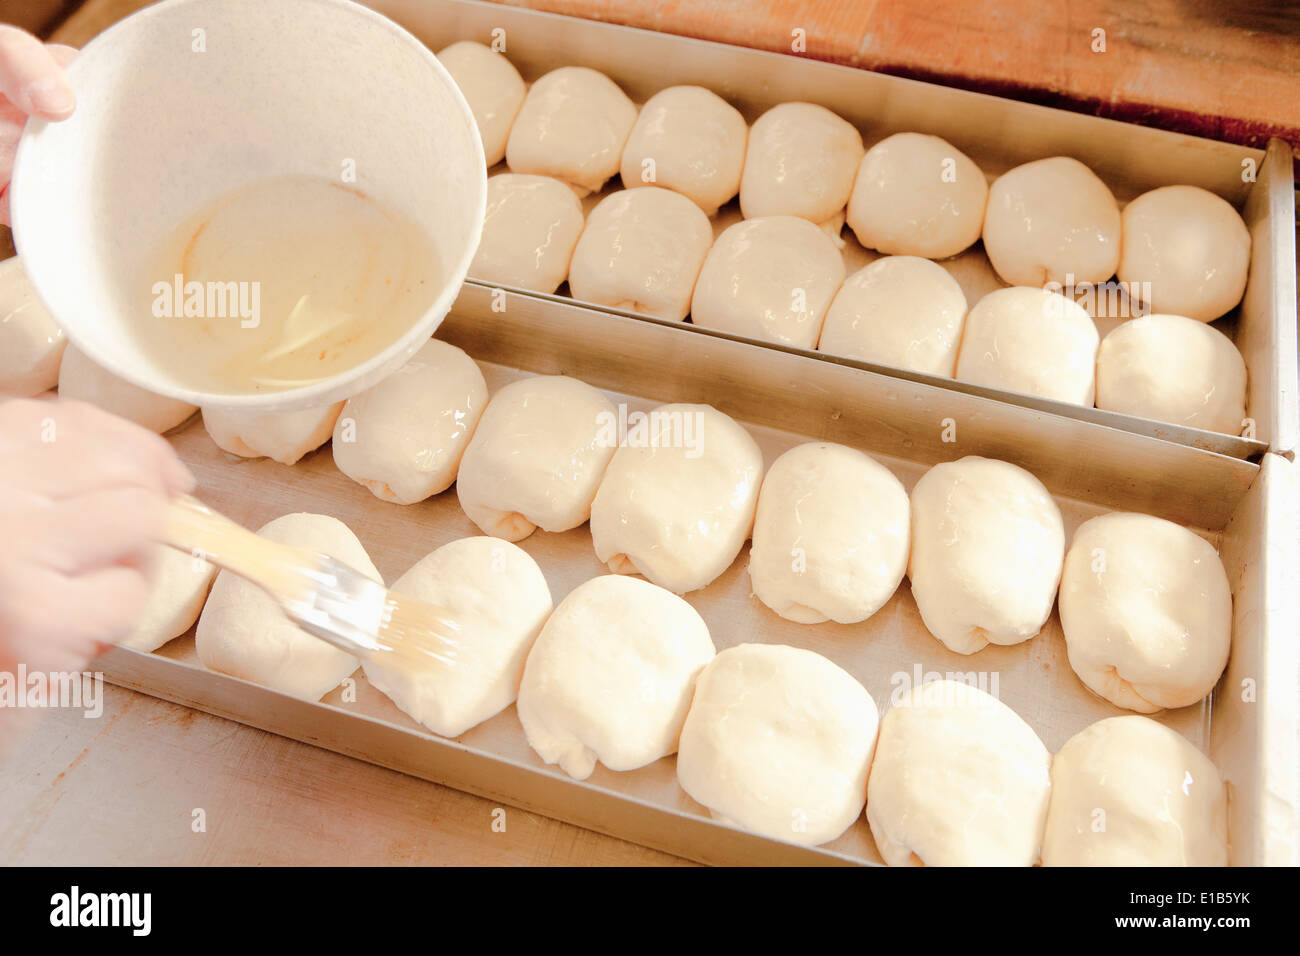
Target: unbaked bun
{"x":641,"y":251}
{"x":1128,"y":791}
{"x":901,"y":311}
{"x":770,"y":278}
{"x":1052,"y":221}
{"x":959,"y":779}
{"x":690,"y":140}
{"x":779,"y":741}
{"x":1173,"y":369}
{"x":573,"y":126}
{"x":987,"y":548}
{"x":831,"y":535}
{"x":918,"y":195}
{"x":1031,"y":341}
{"x":492,"y":87}
{"x":1146,"y":610}
{"x":801,"y":161}
{"x":1191,"y":248}
{"x":611,"y":676}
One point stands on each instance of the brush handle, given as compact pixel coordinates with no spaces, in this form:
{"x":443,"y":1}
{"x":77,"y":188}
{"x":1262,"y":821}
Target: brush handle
{"x":193,"y":526}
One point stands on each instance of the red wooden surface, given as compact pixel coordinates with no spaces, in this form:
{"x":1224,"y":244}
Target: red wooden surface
{"x":1214,"y":68}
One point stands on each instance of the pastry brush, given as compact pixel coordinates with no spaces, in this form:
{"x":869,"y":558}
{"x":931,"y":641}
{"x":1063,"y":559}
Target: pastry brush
{"x":319,"y":593}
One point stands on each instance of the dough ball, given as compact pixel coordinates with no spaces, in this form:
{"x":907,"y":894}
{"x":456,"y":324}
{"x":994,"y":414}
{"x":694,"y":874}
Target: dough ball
{"x":31,"y":344}
{"x":1052,"y":220}
{"x":242,"y":631}
{"x":695,"y":141}
{"x":531,"y":226}
{"x":403,"y":438}
{"x":282,"y":436}
{"x":1173,"y":369}
{"x":178,"y":585}
{"x":831,"y":535}
{"x":677,"y":500}
{"x":987,"y":548}
{"x":1191,"y":247}
{"x":901,"y":311}
{"x":1146,"y":610}
{"x":1128,"y":791}
{"x":611,"y":675}
{"x":770,"y":278}
{"x":1031,"y":341}
{"x":641,"y":252}
{"x":492,"y":87}
{"x":84,"y":380}
{"x":573,"y":126}
{"x":537,"y":457}
{"x":918,"y":195}
{"x":800,"y":161}
{"x":498,"y":596}
{"x":778,"y":741}
{"x":959,"y":779}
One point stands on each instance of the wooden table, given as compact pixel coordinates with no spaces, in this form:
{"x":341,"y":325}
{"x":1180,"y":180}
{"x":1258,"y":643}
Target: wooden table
{"x":123,"y":789}
{"x":1227,"y":70}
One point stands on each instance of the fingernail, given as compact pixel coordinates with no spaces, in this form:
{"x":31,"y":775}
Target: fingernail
{"x":51,"y":97}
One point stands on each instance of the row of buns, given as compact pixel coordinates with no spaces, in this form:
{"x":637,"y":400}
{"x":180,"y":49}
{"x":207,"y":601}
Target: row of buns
{"x":1181,"y":253}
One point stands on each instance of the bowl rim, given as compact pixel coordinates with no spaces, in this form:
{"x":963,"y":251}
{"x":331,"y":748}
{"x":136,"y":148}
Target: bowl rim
{"x":337,"y":387}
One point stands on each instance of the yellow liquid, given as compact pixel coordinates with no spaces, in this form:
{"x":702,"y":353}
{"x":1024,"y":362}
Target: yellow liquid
{"x":284,"y":283}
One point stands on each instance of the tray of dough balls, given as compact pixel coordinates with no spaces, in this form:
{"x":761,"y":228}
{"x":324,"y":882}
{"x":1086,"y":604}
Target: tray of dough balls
{"x":1131,"y":277}
{"x":825,"y":628}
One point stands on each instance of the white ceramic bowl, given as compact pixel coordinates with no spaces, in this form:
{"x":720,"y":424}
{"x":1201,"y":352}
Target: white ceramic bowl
{"x":162,"y":128}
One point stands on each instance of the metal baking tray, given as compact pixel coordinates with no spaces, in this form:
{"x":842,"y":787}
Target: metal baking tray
{"x":783,"y":399}
{"x":997,"y":133}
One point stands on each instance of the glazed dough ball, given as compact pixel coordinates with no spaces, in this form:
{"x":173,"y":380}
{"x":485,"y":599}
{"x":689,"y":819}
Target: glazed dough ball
{"x":84,"y":380}
{"x":498,"y":596}
{"x":900,"y":310}
{"x":242,"y":631}
{"x":178,"y":585}
{"x":801,"y":161}
{"x":831,"y":535}
{"x":1031,"y":341}
{"x":677,"y":500}
{"x":987,"y":548}
{"x":779,"y":741}
{"x":696,"y":140}
{"x":282,"y":436}
{"x":1191,"y":246}
{"x":959,"y":779}
{"x":1146,"y":610}
{"x":917,"y":195}
{"x":641,"y":251}
{"x":1173,"y":369}
{"x":1052,"y":220}
{"x":403,"y":438}
{"x":1128,"y":791}
{"x":611,"y":675}
{"x":770,"y":278}
{"x":531,"y":227}
{"x":31,"y":344}
{"x":573,"y":126}
{"x":537,"y":457}
{"x":492,"y":87}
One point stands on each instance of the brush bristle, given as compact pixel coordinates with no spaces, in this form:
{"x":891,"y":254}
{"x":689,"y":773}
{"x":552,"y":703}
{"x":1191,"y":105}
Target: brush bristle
{"x":418,"y":634}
